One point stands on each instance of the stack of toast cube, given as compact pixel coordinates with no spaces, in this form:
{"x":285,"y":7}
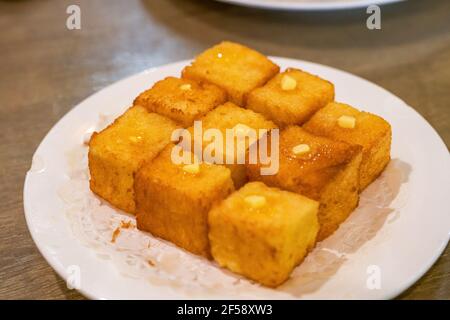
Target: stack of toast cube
{"x":259,"y":226}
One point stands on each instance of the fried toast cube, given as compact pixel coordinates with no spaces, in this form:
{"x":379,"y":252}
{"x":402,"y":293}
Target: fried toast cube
{"x":173,"y":200}
{"x":263,"y":233}
{"x":370,"y":131}
{"x":319,"y":168}
{"x":116,"y":153}
{"x":182,"y":100}
{"x":233,"y":67}
{"x":230,"y":116}
{"x":291,"y":97}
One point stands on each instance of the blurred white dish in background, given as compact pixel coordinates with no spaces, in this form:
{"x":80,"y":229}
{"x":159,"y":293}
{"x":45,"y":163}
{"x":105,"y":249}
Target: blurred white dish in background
{"x":309,"y":5}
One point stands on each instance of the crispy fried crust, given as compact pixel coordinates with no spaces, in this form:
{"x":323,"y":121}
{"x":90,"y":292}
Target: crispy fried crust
{"x":181,"y":100}
{"x":263,"y":243}
{"x":233,"y":67}
{"x":117,"y":152}
{"x":371,"y":132}
{"x":173,"y":204}
{"x":327,"y":173}
{"x":288,"y":107}
{"x":227,"y":116}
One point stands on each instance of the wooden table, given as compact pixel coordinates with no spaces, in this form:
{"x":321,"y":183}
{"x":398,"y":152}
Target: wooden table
{"x":46,"y":69}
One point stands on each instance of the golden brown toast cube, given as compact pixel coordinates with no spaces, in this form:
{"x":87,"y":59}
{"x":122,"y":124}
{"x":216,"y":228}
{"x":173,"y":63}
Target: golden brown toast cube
{"x":263,"y":233}
{"x":181,"y":100}
{"x":291,"y":97}
{"x":319,"y":168}
{"x":229,"y":116}
{"x":372,"y":132}
{"x":173,"y":200}
{"x":116,"y":153}
{"x":233,"y":67}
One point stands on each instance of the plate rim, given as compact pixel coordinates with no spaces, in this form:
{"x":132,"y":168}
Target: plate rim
{"x":308,"y":6}
{"x":281,"y":60}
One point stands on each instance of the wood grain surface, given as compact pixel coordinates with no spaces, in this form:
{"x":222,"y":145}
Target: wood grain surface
{"x":46,"y":69}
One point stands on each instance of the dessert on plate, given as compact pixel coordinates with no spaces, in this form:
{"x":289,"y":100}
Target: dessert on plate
{"x":256,"y":223}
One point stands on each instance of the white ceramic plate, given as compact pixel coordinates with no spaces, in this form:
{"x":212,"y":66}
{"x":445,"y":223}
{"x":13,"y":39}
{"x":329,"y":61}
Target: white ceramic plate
{"x":309,"y":5}
{"x":389,"y":242}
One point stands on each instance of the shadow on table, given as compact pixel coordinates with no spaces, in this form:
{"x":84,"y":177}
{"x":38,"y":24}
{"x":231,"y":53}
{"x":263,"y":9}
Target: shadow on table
{"x":374,"y":211}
